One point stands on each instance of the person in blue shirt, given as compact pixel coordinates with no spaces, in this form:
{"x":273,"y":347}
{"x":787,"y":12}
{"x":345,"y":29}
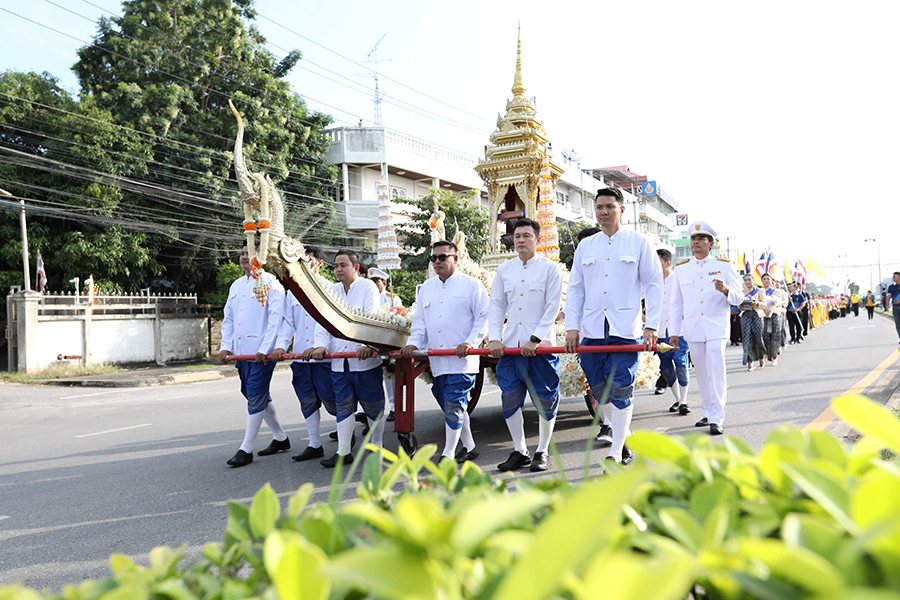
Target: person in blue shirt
{"x":893,"y":293}
{"x":796,"y":304}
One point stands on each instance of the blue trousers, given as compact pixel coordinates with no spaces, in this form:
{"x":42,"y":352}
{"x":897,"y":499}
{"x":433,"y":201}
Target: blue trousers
{"x":365,"y":387}
{"x":538,"y":375}
{"x":255,"y":380}
{"x":313,"y":386}
{"x":599,"y":367}
{"x":674,"y":364}
{"x":452,"y":394}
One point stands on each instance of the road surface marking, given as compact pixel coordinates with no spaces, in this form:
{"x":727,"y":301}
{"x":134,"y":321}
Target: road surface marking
{"x":3,"y":517}
{"x":178,"y":397}
{"x":114,"y":430}
{"x":860,"y":327}
{"x":118,"y":391}
{"x":828,"y":416}
{"x":661,"y":429}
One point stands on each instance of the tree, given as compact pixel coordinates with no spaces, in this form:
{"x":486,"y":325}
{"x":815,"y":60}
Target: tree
{"x":460,"y":213}
{"x":854,"y":288}
{"x":167,"y":69}
{"x":568,"y":240}
{"x":50,"y":147}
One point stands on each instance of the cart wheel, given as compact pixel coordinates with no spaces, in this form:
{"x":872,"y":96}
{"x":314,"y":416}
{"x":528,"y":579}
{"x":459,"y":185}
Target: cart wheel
{"x":475,"y":394}
{"x":408,"y":442}
{"x":591,"y":403}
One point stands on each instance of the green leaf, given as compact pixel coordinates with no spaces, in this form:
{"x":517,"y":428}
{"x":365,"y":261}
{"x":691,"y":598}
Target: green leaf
{"x":826,"y":447}
{"x":870,"y":419}
{"x":371,"y":472}
{"x":482,"y":519}
{"x":264,"y":512}
{"x":738,"y":446}
{"x":385,"y":572}
{"x":770,"y":461}
{"x":875,"y":499}
{"x":624,"y":576}
{"x":176,"y":589}
{"x":422,"y":518}
{"x":121,"y":564}
{"x":796,"y":565}
{"x":587,"y":519}
{"x":238,"y":521}
{"x":829,"y":492}
{"x":295,"y":567}
{"x":374,"y":515}
{"x":707,"y":496}
{"x":658,"y":447}
{"x":682,"y":526}
{"x":717,"y":525}
{"x":299,"y":501}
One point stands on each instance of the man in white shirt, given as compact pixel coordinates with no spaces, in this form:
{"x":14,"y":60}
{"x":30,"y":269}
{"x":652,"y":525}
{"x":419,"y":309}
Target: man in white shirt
{"x":250,"y":326}
{"x":390,"y":300}
{"x":610,"y":271}
{"x":703,"y":291}
{"x":353,"y":379}
{"x":312,"y":379}
{"x":526,"y":294}
{"x":451,"y":312}
{"x":673,"y":365}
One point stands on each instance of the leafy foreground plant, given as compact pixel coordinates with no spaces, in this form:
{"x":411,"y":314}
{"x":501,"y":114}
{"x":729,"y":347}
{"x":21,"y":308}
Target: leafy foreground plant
{"x":804,"y":518}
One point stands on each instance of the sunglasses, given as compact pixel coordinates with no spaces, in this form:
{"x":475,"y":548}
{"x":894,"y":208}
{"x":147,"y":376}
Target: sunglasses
{"x":439,"y":257}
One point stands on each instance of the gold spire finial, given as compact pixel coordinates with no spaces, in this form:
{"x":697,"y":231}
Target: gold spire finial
{"x":518,"y":88}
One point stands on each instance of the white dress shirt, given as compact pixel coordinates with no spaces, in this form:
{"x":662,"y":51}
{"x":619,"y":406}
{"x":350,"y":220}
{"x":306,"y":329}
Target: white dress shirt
{"x":527,"y":296}
{"x":697,"y":310}
{"x":248,"y":326}
{"x":297,"y":325}
{"x":363,"y":294}
{"x":449,"y":313}
{"x":608,"y":276}
{"x":391,"y":301}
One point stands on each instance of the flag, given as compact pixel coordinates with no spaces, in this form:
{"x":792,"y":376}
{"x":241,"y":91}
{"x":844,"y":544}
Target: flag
{"x":800,"y":273}
{"x":747,"y":268}
{"x":760,"y":269}
{"x":787,"y":273}
{"x":771,"y":264}
{"x":813,"y":265}
{"x":41,"y":275}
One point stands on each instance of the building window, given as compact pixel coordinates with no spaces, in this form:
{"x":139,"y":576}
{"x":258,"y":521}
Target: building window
{"x":397,"y":192}
{"x":562,"y":198}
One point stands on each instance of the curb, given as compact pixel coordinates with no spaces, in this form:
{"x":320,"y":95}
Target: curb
{"x":189,"y":376}
{"x":883,"y":391}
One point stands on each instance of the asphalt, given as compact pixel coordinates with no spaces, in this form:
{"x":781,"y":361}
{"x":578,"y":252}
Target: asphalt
{"x":151,"y":375}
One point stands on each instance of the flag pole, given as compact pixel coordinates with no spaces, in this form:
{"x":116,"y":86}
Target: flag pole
{"x":25,"y":264}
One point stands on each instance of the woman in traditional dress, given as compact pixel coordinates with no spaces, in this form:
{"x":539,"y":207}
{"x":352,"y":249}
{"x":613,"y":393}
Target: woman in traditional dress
{"x":773,"y":324}
{"x":752,"y":324}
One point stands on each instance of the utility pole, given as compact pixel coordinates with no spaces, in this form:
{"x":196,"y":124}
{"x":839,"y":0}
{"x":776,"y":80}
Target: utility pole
{"x":25,"y":264}
{"x":372,"y":57}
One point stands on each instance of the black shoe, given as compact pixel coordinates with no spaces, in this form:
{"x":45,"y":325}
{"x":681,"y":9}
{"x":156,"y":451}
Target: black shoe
{"x":463,"y":455}
{"x":604,"y":437}
{"x":365,"y":431}
{"x":516,"y":460}
{"x":332,"y":460}
{"x":309,"y":454}
{"x":240,"y":459}
{"x":627,"y":456}
{"x":674,"y":407}
{"x":659,"y":391}
{"x":361,"y":418}
{"x":276,"y":446}
{"x":333,"y":436}
{"x":390,"y":417}
{"x":684,"y":410}
{"x":715,"y":429}
{"x":702,"y":422}
{"x":541,"y":462}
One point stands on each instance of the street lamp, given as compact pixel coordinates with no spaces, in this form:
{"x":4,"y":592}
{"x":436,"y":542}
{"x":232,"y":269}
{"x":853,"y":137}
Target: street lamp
{"x":878,"y":246}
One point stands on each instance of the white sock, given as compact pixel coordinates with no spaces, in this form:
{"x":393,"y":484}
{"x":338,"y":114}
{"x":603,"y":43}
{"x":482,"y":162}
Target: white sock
{"x":621,"y":426}
{"x":676,"y":391}
{"x":345,"y":434}
{"x":312,"y":428}
{"x":468,"y":441}
{"x":546,"y":428}
{"x":684,"y":392}
{"x":389,"y":392}
{"x":271,"y":418}
{"x":452,"y":439}
{"x":606,"y":414}
{"x":516,"y":425}
{"x":377,"y":429}
{"x":253,"y":423}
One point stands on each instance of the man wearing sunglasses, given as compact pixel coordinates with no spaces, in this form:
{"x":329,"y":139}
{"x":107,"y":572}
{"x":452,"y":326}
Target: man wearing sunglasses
{"x":451,"y":312}
{"x":526,"y":294}
{"x":610,"y":271}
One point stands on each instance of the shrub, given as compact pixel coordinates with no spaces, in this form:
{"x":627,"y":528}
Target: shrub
{"x":806,"y":517}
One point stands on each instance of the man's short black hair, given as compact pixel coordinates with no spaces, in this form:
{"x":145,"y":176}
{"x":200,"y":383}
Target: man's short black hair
{"x":440,"y":243}
{"x":706,"y":235}
{"x":664,"y":254}
{"x":351,"y":254}
{"x":615,"y":193}
{"x":587,"y":232}
{"x":528,"y":223}
{"x":316,"y":252}
{"x":896,"y":272}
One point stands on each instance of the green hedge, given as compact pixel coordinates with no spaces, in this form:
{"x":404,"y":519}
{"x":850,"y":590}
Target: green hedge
{"x":807,"y":517}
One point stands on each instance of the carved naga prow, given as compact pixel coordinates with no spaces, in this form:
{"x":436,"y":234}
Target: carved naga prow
{"x":287,"y":259}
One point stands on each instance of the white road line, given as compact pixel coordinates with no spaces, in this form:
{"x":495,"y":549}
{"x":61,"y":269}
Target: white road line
{"x":113,"y":430}
{"x":4,"y":517}
{"x":118,"y":391}
{"x":661,"y":429}
{"x":178,"y":397}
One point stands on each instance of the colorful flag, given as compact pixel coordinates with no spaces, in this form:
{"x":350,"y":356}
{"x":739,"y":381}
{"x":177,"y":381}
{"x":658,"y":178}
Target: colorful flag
{"x":813,"y":265}
{"x":41,"y":275}
{"x":787,"y":273}
{"x":800,"y":273}
{"x":760,"y":269}
{"x":771,"y":264}
{"x":747,"y":267}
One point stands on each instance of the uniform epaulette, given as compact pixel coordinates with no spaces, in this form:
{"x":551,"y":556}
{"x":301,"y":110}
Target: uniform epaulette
{"x":722,"y":259}
{"x":687,"y":260}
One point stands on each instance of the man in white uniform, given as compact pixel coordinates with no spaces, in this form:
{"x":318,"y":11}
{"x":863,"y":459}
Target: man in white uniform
{"x":526,"y":294}
{"x":673,"y":365}
{"x":250,"y":326}
{"x":390,"y":300}
{"x":451,"y":312}
{"x":610,"y":271}
{"x":311,"y":379}
{"x":703,"y":291}
{"x":353,"y":379}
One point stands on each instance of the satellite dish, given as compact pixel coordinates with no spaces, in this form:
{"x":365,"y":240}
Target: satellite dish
{"x":571,"y":155}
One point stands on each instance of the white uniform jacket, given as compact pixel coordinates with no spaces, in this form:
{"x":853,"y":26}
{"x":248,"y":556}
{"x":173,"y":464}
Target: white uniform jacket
{"x":391,"y":301}
{"x":527,"y":296}
{"x":666,"y":306}
{"x":608,"y":276}
{"x":449,"y":313}
{"x":298,"y":326}
{"x":364,"y":295}
{"x":697,"y":310}
{"x":249,"y":327}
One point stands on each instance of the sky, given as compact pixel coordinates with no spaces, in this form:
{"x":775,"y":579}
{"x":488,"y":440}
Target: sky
{"x":774,"y":121}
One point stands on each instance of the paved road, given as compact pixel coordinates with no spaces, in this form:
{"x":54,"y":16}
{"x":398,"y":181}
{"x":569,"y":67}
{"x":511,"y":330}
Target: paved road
{"x":86,"y":472}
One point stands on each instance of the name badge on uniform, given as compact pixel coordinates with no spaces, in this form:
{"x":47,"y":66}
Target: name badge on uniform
{"x":715,"y":272}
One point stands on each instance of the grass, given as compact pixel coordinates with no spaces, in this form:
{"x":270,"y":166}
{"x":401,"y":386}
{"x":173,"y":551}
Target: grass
{"x":57,"y":372}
